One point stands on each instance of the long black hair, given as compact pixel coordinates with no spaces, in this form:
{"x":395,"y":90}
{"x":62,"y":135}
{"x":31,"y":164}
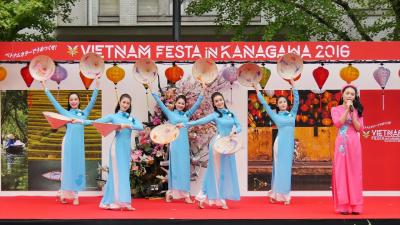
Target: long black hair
{"x":183,"y":98}
{"x":120,"y":99}
{"x":215,"y":94}
{"x":74,"y":93}
{"x":356,"y":103}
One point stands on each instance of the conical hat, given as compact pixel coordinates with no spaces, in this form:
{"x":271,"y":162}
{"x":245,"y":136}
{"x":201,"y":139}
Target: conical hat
{"x":164,"y":133}
{"x":42,"y":67}
{"x":205,"y":70}
{"x":105,"y":128}
{"x":56,"y":120}
{"x":227,"y":145}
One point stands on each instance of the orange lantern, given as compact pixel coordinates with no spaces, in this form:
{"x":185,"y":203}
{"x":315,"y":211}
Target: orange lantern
{"x":115,"y":74}
{"x":174,"y":73}
{"x":3,"y":73}
{"x":349,"y":73}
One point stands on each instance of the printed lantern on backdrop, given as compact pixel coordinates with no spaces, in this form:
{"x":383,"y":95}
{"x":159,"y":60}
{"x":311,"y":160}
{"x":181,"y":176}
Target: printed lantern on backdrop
{"x":174,"y":74}
{"x":229,"y":74}
{"x":115,"y":74}
{"x":86,"y":82}
{"x":320,"y":75}
{"x":59,"y":75}
{"x":349,"y":73}
{"x":3,"y":73}
{"x":91,"y":65}
{"x":381,"y":76}
{"x":205,"y":70}
{"x":28,"y":79}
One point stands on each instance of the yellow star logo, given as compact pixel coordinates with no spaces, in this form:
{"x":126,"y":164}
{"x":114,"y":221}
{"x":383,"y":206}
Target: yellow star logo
{"x":72,"y":50}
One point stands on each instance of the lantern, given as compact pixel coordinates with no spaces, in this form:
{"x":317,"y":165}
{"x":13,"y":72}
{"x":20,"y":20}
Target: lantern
{"x":266,"y":74}
{"x":115,"y":74}
{"x":230,"y":74}
{"x":60,"y":74}
{"x":3,"y":73}
{"x":320,"y":75}
{"x":349,"y":73}
{"x":26,"y":75}
{"x":381,"y":76}
{"x":174,"y":74}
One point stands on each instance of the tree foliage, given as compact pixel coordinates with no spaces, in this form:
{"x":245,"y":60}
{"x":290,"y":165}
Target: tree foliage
{"x":304,"y":20}
{"x":31,"y":20}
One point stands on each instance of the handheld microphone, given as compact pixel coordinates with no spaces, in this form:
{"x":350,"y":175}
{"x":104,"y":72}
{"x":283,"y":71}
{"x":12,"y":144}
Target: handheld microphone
{"x":351,"y":108}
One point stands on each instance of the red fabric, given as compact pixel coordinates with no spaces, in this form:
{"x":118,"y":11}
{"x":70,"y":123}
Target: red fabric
{"x":247,"y":208}
{"x":381,"y":151}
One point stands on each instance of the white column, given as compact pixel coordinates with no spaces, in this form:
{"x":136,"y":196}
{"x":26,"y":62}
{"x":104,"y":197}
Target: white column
{"x":127,"y":12}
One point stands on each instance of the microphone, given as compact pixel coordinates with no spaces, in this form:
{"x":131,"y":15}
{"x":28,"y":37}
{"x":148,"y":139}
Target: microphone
{"x":351,"y":108}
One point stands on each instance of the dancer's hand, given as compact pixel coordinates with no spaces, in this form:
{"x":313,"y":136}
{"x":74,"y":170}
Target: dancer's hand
{"x":203,"y":88}
{"x":123,"y":126}
{"x":256,"y":87}
{"x":43,"y":83}
{"x":76,"y":120}
{"x":97,"y":81}
{"x":292,"y":82}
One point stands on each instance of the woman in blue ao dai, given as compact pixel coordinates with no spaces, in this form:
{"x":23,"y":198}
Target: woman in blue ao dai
{"x":179,"y":152}
{"x":117,"y":190}
{"x":283,"y":146}
{"x":73,"y":172}
{"x":220,"y":182}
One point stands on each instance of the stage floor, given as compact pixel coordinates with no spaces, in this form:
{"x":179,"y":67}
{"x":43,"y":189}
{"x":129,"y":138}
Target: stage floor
{"x":247,"y":208}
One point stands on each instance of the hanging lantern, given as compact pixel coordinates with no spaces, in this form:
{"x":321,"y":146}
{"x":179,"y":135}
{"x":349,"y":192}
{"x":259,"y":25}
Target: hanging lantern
{"x":26,"y":75}
{"x":230,"y":73}
{"x":381,"y":76}
{"x":349,"y":73}
{"x":174,"y":73}
{"x":3,"y":73}
{"x":266,"y":74}
{"x":86,"y":82}
{"x":320,"y":75}
{"x":60,"y":74}
{"x":115,"y":74}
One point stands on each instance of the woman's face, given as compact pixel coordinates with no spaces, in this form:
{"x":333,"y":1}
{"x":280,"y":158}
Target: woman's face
{"x":73,"y":101}
{"x":180,"y":104}
{"x":219,"y":102}
{"x":124,"y":104}
{"x":282,"y":104}
{"x":348,"y":94}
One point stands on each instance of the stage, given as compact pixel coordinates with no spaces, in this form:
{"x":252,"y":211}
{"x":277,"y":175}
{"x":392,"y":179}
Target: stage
{"x":303,"y":210}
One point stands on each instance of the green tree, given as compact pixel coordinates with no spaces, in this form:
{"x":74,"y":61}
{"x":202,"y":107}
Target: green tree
{"x":31,"y":20}
{"x":304,"y":20}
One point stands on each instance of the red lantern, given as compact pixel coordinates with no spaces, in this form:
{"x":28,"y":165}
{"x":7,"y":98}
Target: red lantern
{"x":174,"y":74}
{"x":86,"y":81}
{"x":320,"y":75}
{"x":26,"y":75}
